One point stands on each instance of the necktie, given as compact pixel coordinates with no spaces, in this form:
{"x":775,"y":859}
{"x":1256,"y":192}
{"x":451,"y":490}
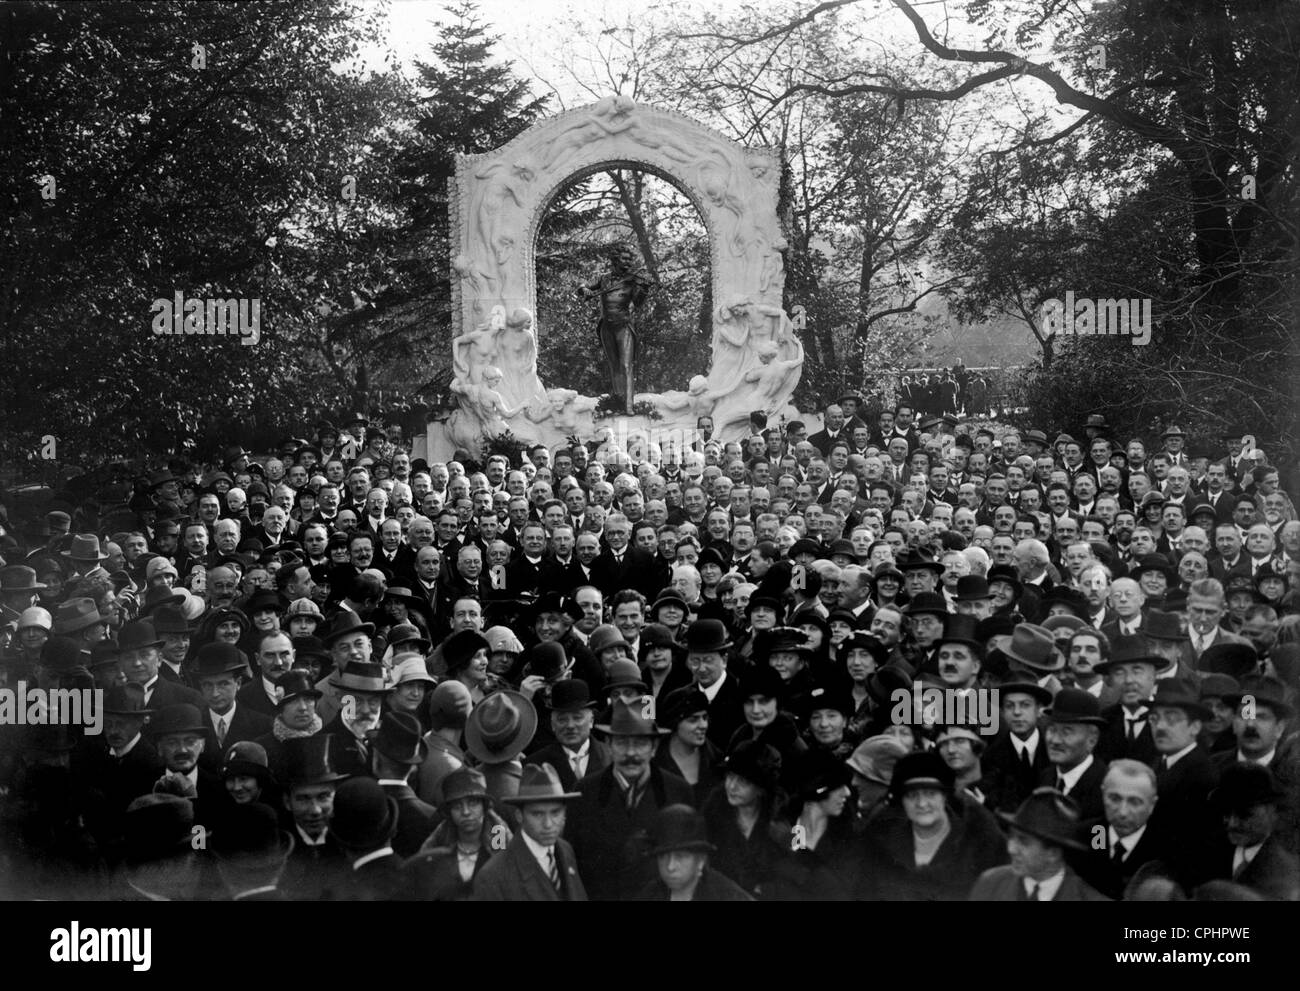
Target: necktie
{"x":1117,"y":855}
{"x":1060,"y":784}
{"x":1033,"y":892}
{"x":221,"y":731}
{"x":1198,"y":643}
{"x":553,"y":869}
{"x":1132,"y":728}
{"x":1164,"y":766}
{"x":576,"y":761}
{"x":1025,"y":762}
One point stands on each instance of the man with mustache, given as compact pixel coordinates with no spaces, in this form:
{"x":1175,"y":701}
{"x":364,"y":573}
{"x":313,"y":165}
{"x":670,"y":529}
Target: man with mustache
{"x":610,"y":823}
{"x":178,"y":734}
{"x":1132,"y":668}
{"x":1073,"y":728}
{"x":1260,"y":724}
{"x":1255,"y":855}
{"x":361,"y":689}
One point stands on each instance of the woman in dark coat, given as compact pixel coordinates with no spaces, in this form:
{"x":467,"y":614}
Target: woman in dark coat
{"x":821,"y":857}
{"x":739,"y":816}
{"x":935,"y":844}
{"x":680,"y":845}
{"x":444,"y":868}
{"x":687,"y":752}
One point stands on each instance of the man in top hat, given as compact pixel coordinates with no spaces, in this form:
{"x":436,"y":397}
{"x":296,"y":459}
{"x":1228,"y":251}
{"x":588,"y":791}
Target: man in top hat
{"x":707,"y":650}
{"x":219,"y":667}
{"x":1255,"y":854}
{"x":1262,"y":718}
{"x":396,"y":751}
{"x":498,"y":731}
{"x":139,"y":660}
{"x":1132,"y":669}
{"x":178,"y":733}
{"x":538,"y":863}
{"x":310,"y":779}
{"x":360,"y":690}
{"x":619,"y":804}
{"x":573,"y":754}
{"x":364,"y":822}
{"x":1043,"y":829}
{"x":1074,"y":725}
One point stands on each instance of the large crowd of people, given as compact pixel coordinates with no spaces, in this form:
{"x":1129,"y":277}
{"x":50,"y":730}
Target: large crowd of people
{"x":882,"y":660}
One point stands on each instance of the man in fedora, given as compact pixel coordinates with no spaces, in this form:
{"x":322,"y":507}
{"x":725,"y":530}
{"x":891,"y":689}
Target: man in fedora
{"x":1173,"y":440}
{"x":80,"y":619}
{"x":1133,"y":836}
{"x":1016,"y":758}
{"x":1074,"y":725}
{"x":498,"y":731}
{"x":1262,"y":718}
{"x":310,"y":779}
{"x":360,"y":689}
{"x":1132,"y":669}
{"x":619,"y":804}
{"x":573,"y":754}
{"x":84,"y":555}
{"x":178,"y":733}
{"x":1255,"y":855}
{"x":538,"y":863}
{"x":1042,"y":830}
{"x":139,"y":660}
{"x":707,"y":650}
{"x":19,"y":590}
{"x":1032,"y":656}
{"x":218,"y":668}
{"x":396,"y":751}
{"x":365,"y":822}
{"x":680,"y":846}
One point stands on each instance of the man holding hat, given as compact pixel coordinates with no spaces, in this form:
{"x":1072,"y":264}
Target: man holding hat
{"x":1255,"y":855}
{"x":680,"y":845}
{"x":178,"y":733}
{"x":1046,"y":825}
{"x":396,"y":750}
{"x":619,"y":803}
{"x":1074,"y":725}
{"x":538,"y":865}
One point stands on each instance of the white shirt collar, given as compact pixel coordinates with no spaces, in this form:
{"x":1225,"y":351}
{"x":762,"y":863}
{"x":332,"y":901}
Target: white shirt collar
{"x":1130,"y":841}
{"x":1073,"y":775}
{"x":1046,"y":889}
{"x":128,"y":748}
{"x":306,"y":837}
{"x":1030,"y":743}
{"x":1243,"y":855}
{"x":711,"y":692}
{"x":228,"y":716}
{"x":1172,"y":759}
{"x":390,"y":781}
{"x":542,"y":854}
{"x":1262,"y":762}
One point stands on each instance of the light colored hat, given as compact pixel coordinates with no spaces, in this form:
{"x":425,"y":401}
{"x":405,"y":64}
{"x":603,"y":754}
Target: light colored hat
{"x":303,"y":607}
{"x":36,"y":616}
{"x":409,"y":668}
{"x":160,"y":565}
{"x":503,"y":638}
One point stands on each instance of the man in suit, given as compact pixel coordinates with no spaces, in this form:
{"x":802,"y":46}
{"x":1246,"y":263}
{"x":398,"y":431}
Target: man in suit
{"x":620,"y":566}
{"x":538,"y":865}
{"x":1260,"y":724}
{"x":1074,"y":725}
{"x":364,"y":822}
{"x":612,"y":818}
{"x":1132,"y":668}
{"x":310,"y":780}
{"x":1255,"y":855}
{"x":274,"y":658}
{"x":396,"y":750}
{"x":574,"y":754}
{"x":525,"y":574}
{"x":1132,"y":840}
{"x":1046,"y":825}
{"x":833,"y":431}
{"x":707,"y":648}
{"x":179,"y":734}
{"x":112,"y":770}
{"x":219,"y":666}
{"x":1206,"y":608}
{"x":1017,"y":759}
{"x":139,"y":660}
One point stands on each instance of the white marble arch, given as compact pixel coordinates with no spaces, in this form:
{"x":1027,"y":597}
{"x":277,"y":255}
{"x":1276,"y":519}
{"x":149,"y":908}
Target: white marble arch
{"x":498,"y":200}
